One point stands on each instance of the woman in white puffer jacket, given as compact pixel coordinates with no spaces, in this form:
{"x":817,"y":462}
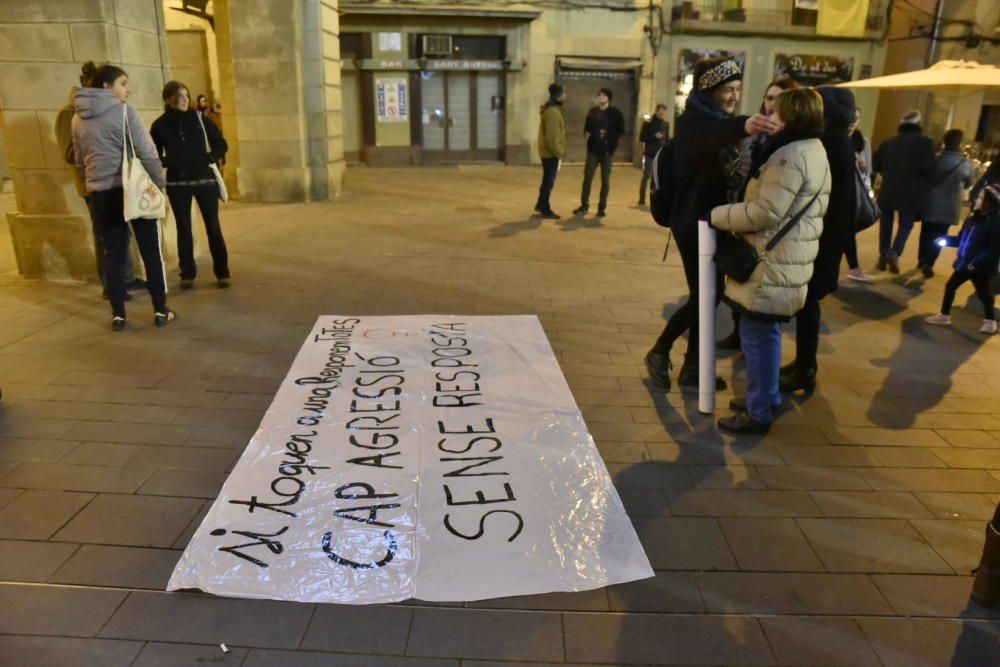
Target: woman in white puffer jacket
{"x":789,"y":175}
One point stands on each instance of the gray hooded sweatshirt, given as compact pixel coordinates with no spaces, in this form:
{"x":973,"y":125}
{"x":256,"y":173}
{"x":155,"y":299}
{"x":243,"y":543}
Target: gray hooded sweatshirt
{"x":98,"y":138}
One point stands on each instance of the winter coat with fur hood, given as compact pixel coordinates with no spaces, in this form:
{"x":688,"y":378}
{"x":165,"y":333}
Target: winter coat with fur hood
{"x":785,"y":184}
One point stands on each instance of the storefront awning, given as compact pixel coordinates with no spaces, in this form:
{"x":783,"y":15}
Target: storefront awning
{"x":603,"y":64}
{"x":451,"y":10}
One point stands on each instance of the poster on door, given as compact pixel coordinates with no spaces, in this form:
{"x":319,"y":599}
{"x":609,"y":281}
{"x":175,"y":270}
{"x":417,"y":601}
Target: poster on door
{"x":433,"y":457}
{"x":392,"y":99}
{"x":810,"y":70}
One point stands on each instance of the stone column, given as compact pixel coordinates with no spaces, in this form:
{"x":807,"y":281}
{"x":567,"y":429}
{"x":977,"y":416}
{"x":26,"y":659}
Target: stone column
{"x":42,"y":45}
{"x":286,"y":79}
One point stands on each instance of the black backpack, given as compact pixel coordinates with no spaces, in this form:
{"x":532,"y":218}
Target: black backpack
{"x":661,"y":199}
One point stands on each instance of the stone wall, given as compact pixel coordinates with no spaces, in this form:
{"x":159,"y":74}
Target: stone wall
{"x":287,"y":98}
{"x":42,"y":45}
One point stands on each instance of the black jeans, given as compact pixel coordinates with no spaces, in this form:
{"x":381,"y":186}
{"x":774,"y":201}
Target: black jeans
{"x":108,"y":207}
{"x":207,"y":197}
{"x":100,"y":251}
{"x":983,"y":291}
{"x":685,"y":318}
{"x":851,"y":252}
{"x":588,"y":176}
{"x":550,"y":169}
{"x":807,"y":335}
{"x":647,"y":171}
{"x":929,"y":250}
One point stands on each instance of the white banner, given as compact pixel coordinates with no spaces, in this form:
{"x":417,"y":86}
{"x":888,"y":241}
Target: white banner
{"x":432,"y":457}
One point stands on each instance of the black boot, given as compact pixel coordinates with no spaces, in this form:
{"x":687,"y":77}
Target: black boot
{"x":658,"y":366}
{"x":795,"y":378}
{"x":986,"y":587}
{"x":688,"y":378}
{"x":742,"y":422}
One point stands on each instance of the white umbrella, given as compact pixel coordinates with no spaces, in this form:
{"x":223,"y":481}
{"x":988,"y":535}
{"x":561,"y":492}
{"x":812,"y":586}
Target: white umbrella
{"x":951,"y":76}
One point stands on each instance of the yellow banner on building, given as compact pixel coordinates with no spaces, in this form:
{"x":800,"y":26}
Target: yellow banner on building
{"x":842,"y":18}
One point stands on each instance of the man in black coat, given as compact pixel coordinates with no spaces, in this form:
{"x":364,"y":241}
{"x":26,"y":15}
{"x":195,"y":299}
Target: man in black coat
{"x":654,"y":134}
{"x":604,"y":126}
{"x":706,"y":143}
{"x":905,"y":161}
{"x":839,"y":111}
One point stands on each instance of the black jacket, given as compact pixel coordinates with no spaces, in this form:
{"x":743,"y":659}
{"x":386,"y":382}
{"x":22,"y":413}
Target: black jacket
{"x":838,"y":223}
{"x":647,"y":135}
{"x":703,"y":132}
{"x":905,"y":161}
{"x":181,"y":145}
{"x":605,"y":129}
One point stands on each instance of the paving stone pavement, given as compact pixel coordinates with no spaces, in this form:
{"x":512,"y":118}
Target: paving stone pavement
{"x":843,"y":538}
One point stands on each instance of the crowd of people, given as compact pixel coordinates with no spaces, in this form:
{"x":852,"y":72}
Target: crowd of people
{"x":789,"y":187}
{"x":99,"y":134}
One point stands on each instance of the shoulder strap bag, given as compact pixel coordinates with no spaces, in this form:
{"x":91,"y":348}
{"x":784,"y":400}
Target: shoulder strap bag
{"x":142,"y":198}
{"x":223,"y":192}
{"x":737,"y":258}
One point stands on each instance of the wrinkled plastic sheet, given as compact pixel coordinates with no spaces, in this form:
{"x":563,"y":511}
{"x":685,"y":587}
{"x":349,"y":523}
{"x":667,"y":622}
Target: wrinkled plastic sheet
{"x":434,"y":457}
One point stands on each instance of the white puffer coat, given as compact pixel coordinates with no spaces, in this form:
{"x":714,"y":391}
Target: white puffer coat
{"x":787,"y":182}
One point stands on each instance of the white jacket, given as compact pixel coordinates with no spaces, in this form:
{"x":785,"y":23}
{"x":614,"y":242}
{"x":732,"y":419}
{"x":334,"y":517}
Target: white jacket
{"x":787,"y":182}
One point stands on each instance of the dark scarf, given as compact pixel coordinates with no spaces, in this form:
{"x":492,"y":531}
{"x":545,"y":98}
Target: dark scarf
{"x":858,"y":141}
{"x":770,"y":147}
{"x":703,"y":104}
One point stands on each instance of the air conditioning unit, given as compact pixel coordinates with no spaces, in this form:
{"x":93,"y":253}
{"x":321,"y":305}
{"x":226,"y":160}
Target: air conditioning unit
{"x":437,"y":45}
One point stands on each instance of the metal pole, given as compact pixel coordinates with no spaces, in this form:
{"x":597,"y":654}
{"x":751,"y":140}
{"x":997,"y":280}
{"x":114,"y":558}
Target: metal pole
{"x":706,"y":318}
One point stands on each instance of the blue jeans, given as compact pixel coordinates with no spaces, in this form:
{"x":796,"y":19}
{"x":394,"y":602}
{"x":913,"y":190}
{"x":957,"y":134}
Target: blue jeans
{"x":761,"y":343}
{"x":550,"y":169}
{"x":886,"y":244}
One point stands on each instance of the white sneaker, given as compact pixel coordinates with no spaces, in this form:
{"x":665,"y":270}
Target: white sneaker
{"x":939,"y":319}
{"x":989,"y":327}
{"x":859,"y":275}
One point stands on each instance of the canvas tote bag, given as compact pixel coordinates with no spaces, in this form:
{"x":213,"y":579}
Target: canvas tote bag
{"x":142,"y":198}
{"x":223,"y":193}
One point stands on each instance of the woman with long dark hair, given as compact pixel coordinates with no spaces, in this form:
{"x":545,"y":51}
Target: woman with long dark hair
{"x":99,"y":141}
{"x":188,"y":143}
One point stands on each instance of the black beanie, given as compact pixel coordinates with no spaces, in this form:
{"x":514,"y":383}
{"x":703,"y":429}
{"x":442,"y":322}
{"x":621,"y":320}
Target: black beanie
{"x":838,"y":104}
{"x":608,"y":93}
{"x":555,"y":90}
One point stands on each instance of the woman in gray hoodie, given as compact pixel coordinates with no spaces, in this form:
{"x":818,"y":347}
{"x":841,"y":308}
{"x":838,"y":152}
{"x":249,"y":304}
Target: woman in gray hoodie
{"x":98,"y":135}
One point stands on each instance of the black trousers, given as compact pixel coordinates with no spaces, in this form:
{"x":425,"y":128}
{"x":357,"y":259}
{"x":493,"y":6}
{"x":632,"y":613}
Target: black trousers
{"x":983,"y":291}
{"x":108,"y":208}
{"x":929,"y":250}
{"x":807,"y":335}
{"x":207,"y":197}
{"x":685,"y":318}
{"x":550,"y":169}
{"x":588,"y":176}
{"x":100,"y":251}
{"x":647,"y":171}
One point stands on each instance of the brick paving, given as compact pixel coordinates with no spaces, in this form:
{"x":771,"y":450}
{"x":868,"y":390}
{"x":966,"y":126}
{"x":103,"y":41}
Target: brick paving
{"x":843,"y":538}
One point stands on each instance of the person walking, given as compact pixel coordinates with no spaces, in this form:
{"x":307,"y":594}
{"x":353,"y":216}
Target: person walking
{"x":952,"y":173}
{"x":978,"y":258}
{"x":904,"y":162}
{"x":551,"y":147}
{"x":603,"y":128}
{"x":181,"y":136}
{"x":839,"y":111}
{"x":863,"y":159}
{"x":654,"y":135}
{"x":792,"y":180}
{"x":706,"y":142}
{"x":64,"y":138}
{"x":98,"y":138}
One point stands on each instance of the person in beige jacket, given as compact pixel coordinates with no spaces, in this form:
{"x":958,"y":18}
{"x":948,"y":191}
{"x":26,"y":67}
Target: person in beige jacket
{"x":551,"y":147}
{"x":791,"y":174}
